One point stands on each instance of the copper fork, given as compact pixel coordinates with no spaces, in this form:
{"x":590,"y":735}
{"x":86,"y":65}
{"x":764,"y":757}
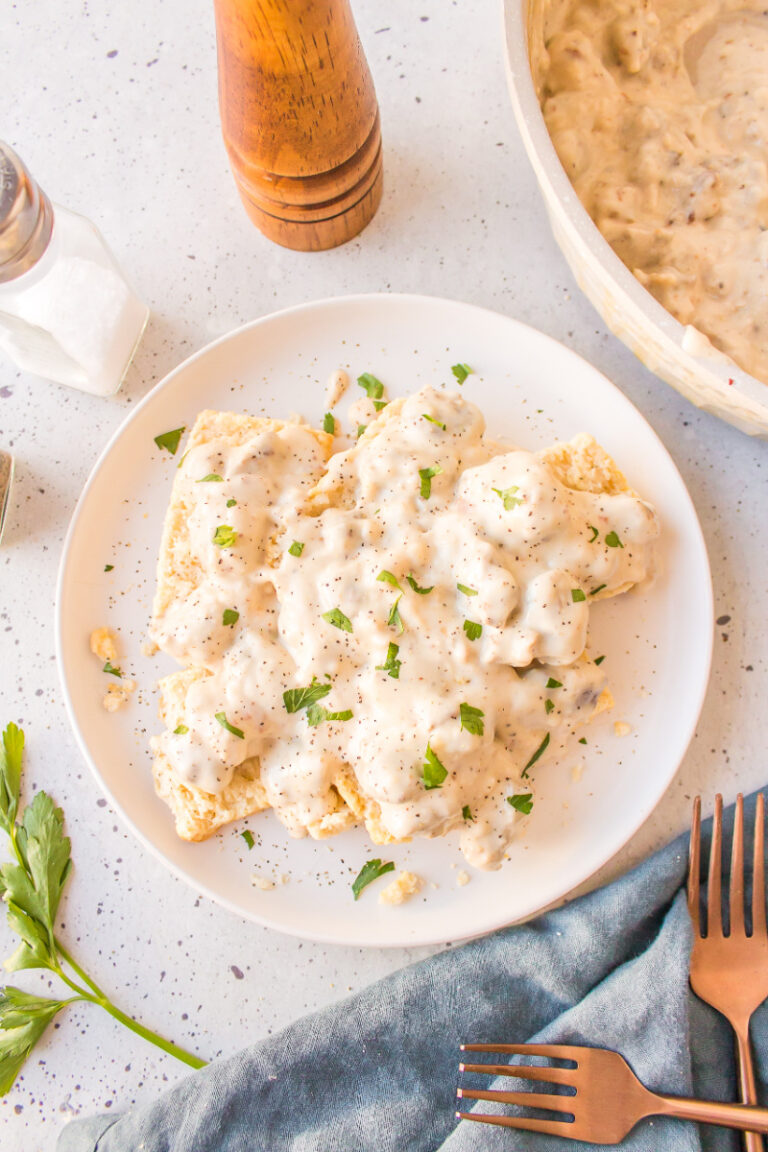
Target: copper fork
{"x":606,"y":1100}
{"x":731,"y":972}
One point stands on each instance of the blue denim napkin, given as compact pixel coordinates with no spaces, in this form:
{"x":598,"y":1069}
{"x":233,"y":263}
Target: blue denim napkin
{"x":378,"y":1072}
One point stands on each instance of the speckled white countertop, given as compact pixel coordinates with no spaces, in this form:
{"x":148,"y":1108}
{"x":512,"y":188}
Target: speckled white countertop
{"x":114,"y":110}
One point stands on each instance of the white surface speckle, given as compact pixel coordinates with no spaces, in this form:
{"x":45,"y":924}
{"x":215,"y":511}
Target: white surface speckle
{"x":123,"y":126}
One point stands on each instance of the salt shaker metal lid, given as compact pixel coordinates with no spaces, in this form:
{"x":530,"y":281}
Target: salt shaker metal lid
{"x":26,"y":217}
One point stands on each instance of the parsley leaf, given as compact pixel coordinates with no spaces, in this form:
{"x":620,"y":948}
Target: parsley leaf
{"x":23,"y":1019}
{"x":549,"y":706}
{"x":230,"y":617}
{"x":522,"y":802}
{"x":416,"y":588}
{"x":170,"y":440}
{"x":539,"y":752}
{"x":316,"y":714}
{"x":108,"y":567}
{"x":577,"y":595}
{"x":465,"y":588}
{"x":297,"y":698}
{"x":433,"y":771}
{"x":211,"y":478}
{"x":296,"y":548}
{"x":338,"y":619}
{"x":425,"y":475}
{"x":612,"y":540}
{"x":461,"y":371}
{"x":247,"y":835}
{"x":110,"y":668}
{"x":473,"y":630}
{"x":432,"y":420}
{"x":180,"y":730}
{"x":594,"y":535}
{"x":388,"y":578}
{"x":222,"y":719}
{"x":11,"y":754}
{"x":373,"y":388}
{"x":370,"y":872}
{"x":472,"y":719}
{"x":360,"y":429}
{"x":391,"y":665}
{"x":329,"y":423}
{"x":599,"y":588}
{"x":231,"y":502}
{"x":599,"y":659}
{"x":583,"y":740}
{"x":551,"y":683}
{"x":394,"y":620}
{"x":225,"y":536}
{"x":467,"y":812}
{"x":507,"y":497}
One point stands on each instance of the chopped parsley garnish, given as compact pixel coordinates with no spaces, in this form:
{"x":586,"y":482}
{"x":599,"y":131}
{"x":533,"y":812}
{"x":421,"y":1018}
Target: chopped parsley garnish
{"x":225,"y":536}
{"x":394,"y":620}
{"x":108,"y":567}
{"x":461,"y":371}
{"x":599,"y":588}
{"x":577,"y":595}
{"x":467,"y":812}
{"x":338,"y":619}
{"x":222,"y":719}
{"x":433,"y":772}
{"x":170,"y":440}
{"x":297,"y":698}
{"x":432,"y":420}
{"x":425,"y":475}
{"x":230,"y":617}
{"x":508,"y":498}
{"x":583,"y":740}
{"x":416,"y":588}
{"x":112,"y":670}
{"x":594,"y":535}
{"x":211,"y":478}
{"x":539,"y":752}
{"x":465,"y":588}
{"x":471,"y":719}
{"x":316,"y":714}
{"x":180,"y":730}
{"x":360,"y":429}
{"x":388,"y":578}
{"x":549,"y":706}
{"x":522,"y":802}
{"x":329,"y":423}
{"x":553,"y":683}
{"x":296,"y":548}
{"x":373,"y":388}
{"x":599,"y":659}
{"x":473,"y":630}
{"x":370,"y":872}
{"x":182,"y":459}
{"x":248,"y":837}
{"x":231,"y":502}
{"x":391,"y":665}
{"x":612,"y":540}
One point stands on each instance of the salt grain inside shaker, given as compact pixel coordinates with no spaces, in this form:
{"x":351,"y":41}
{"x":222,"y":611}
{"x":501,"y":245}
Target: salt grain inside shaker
{"x":66,"y":312}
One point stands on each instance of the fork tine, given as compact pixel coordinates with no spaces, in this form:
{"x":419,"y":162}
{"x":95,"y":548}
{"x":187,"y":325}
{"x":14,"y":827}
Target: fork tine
{"x":523,"y":1072}
{"x":736,"y":898}
{"x":556,"y":1051}
{"x":715,"y":895}
{"x":694,"y":868}
{"x":550,"y":1127}
{"x":758,"y":873}
{"x":544,"y":1100}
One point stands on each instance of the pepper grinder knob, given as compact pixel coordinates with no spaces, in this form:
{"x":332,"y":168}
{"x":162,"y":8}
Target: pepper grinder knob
{"x":299,"y":118}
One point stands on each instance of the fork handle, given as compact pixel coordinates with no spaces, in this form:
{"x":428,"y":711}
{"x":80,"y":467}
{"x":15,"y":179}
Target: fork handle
{"x":746,"y":1117}
{"x":747,"y":1085}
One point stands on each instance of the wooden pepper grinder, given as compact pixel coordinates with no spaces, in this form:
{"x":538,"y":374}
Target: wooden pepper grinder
{"x":299,"y":118}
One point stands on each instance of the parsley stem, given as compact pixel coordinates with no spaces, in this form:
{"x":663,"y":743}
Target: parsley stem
{"x":76,"y":968}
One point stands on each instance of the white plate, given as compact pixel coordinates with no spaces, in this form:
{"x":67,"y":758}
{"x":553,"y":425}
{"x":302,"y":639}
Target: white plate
{"x":657,"y":644}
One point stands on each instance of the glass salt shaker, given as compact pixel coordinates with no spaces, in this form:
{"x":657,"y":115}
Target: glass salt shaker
{"x":66,"y":311}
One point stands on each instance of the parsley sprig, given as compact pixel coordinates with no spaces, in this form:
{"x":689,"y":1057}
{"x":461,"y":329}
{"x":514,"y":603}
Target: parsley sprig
{"x":31,"y":885}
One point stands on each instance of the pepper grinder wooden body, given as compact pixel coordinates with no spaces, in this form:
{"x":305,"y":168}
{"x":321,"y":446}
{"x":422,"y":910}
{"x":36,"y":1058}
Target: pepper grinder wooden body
{"x":299,"y":118}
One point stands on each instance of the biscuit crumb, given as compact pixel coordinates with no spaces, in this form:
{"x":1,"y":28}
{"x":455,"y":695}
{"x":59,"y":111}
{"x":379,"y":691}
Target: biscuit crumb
{"x":577,"y":771}
{"x":404,"y":886}
{"x":103,"y":645}
{"x":463,"y":878}
{"x":621,"y":728}
{"x":118,"y":695}
{"x":262,"y":882}
{"x":149,"y":648}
